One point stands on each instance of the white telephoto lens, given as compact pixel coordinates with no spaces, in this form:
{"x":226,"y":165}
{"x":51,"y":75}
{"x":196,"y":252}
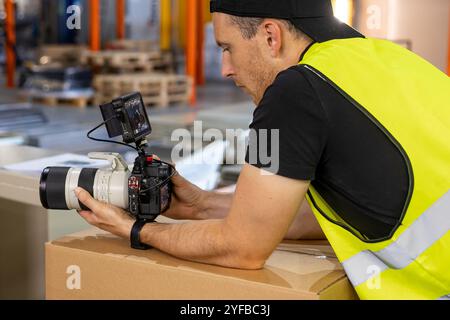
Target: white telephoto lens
{"x":112,"y":187}
{"x":107,"y":186}
{"x":71,"y":184}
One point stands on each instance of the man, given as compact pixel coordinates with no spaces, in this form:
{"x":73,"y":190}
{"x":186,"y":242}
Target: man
{"x":363,"y":134}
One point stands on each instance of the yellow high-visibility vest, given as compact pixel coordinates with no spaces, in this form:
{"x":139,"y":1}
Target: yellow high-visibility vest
{"x":409,"y":100}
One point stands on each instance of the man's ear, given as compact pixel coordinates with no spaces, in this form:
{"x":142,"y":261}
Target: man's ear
{"x":272,"y":37}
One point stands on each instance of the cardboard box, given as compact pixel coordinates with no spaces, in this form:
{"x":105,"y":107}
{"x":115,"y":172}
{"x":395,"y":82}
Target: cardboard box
{"x":98,"y":265}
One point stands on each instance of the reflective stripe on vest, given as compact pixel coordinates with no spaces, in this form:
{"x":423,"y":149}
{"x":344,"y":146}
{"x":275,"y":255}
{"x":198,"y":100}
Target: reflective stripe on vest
{"x":411,"y":244}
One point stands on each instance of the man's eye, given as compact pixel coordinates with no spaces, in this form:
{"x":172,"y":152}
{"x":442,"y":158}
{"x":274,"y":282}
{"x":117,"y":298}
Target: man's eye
{"x":225,"y":49}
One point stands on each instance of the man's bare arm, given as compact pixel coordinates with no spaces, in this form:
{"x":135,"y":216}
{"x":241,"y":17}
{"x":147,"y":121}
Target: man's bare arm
{"x":263,"y":208}
{"x":191,"y":203}
{"x":216,"y":205}
{"x":304,"y":227}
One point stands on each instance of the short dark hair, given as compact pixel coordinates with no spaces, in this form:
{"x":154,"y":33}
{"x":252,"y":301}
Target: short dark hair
{"x":249,"y":26}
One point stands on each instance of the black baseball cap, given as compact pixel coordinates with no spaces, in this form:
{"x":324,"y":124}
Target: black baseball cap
{"x":313,"y":17}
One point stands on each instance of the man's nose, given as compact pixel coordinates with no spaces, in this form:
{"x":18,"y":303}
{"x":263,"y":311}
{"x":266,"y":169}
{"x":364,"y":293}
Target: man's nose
{"x":227,"y":69}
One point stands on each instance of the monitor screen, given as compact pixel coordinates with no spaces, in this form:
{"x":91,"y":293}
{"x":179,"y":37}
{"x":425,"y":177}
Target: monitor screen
{"x":137,"y":116}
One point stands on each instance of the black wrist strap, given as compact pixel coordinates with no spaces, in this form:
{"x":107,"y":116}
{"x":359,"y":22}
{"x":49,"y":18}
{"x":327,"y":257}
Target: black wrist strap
{"x":135,"y":237}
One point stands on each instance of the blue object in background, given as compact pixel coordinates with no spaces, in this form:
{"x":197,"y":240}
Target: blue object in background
{"x":65,"y":35}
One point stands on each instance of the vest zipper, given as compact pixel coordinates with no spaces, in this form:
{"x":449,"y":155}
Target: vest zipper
{"x":391,"y":138}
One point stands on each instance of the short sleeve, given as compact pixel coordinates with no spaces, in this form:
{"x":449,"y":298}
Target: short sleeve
{"x":289,"y":131}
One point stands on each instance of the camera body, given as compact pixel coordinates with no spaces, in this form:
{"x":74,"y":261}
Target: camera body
{"x":145,"y":192}
{"x":148,"y":195}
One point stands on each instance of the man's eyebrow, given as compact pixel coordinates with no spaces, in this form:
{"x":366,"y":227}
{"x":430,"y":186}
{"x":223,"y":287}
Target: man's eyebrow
{"x":222,"y":44}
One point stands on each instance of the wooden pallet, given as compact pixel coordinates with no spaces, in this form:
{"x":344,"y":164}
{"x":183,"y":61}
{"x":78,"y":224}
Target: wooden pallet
{"x":156,"y":89}
{"x":126,"y":61}
{"x":146,"y":83}
{"x":58,"y":99}
{"x":54,"y":101}
{"x":164,"y":63}
{"x":133,"y":45}
{"x":65,"y":54}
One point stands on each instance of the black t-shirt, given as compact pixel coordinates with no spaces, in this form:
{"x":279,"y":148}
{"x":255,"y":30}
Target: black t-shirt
{"x":325,"y":139}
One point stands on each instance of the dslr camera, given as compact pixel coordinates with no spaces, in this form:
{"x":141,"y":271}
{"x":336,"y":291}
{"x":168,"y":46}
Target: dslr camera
{"x":145,"y":192}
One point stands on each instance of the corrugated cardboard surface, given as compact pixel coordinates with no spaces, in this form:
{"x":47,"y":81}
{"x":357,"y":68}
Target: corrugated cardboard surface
{"x":108,"y":269}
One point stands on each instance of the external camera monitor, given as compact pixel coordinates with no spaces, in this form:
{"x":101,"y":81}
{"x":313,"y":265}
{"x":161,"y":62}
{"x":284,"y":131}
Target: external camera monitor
{"x":127,"y":117}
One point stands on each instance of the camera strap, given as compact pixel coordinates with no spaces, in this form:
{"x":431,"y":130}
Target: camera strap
{"x":135,"y":237}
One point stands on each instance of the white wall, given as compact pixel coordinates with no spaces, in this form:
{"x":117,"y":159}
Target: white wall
{"x":424,"y":22}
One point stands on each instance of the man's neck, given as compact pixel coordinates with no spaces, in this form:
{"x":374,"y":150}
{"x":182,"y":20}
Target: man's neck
{"x":294,"y":52}
{"x":298,"y":49}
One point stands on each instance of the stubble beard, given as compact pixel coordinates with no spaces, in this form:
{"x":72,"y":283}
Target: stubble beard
{"x":262,"y":79}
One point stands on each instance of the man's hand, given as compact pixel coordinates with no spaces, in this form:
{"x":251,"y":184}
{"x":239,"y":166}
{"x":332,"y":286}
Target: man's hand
{"x":105,"y":216}
{"x":188,"y":200}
